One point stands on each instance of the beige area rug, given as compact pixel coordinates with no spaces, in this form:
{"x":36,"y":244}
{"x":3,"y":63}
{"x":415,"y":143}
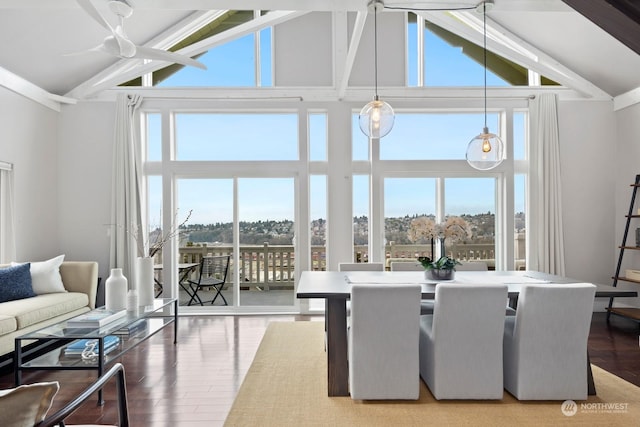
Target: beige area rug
{"x":287,"y":386}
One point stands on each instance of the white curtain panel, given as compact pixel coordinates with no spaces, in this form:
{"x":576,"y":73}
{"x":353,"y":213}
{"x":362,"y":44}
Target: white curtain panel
{"x":126,"y":220}
{"x":7,"y":237}
{"x":549,"y":207}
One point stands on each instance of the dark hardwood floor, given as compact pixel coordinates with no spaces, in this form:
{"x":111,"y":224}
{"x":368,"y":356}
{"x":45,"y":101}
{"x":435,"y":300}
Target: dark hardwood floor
{"x":195,"y":382}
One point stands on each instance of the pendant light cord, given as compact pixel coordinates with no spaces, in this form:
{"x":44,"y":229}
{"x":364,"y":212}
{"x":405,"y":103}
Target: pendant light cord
{"x":375,"y":47}
{"x":484,"y":27}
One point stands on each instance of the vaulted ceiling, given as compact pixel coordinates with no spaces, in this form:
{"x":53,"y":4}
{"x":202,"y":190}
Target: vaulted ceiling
{"x":599,"y":60}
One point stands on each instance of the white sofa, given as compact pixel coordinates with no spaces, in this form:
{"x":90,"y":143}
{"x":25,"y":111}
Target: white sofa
{"x":80,"y":279}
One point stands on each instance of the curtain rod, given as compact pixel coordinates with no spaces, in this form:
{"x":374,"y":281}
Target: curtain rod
{"x":226,"y":98}
{"x":300,"y":98}
{"x":6,"y":166}
{"x":460,"y":97}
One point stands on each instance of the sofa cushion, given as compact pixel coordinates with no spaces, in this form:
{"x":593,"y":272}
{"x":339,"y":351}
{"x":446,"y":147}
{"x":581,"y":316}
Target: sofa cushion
{"x":34,"y":310}
{"x":45,"y":276}
{"x":7,"y":324}
{"x":15,"y":283}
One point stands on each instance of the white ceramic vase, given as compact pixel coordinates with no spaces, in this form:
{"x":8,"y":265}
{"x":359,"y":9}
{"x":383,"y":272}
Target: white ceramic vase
{"x":144,"y":281}
{"x":115,"y":290}
{"x":132,"y":300}
{"x":439,"y":247}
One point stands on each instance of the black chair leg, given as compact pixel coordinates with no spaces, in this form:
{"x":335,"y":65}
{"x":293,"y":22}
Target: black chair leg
{"x":219,"y":292}
{"x":195,"y":297}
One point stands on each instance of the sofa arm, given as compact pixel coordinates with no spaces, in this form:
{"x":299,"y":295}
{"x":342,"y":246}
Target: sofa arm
{"x":81,"y":276}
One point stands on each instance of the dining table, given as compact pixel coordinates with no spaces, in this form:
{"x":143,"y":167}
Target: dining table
{"x":184,"y":270}
{"x":335,"y":288}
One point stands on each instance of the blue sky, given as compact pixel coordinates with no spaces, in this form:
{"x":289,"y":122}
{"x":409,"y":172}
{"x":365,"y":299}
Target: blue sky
{"x":443,"y":136}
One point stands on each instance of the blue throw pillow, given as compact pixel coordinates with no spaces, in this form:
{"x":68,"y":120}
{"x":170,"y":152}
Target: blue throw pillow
{"x":15,"y":283}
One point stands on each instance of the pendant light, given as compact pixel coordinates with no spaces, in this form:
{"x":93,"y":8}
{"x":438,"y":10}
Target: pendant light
{"x":376,"y":118}
{"x":485,"y":151}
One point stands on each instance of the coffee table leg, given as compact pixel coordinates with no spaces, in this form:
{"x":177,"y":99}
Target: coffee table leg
{"x":17,"y":362}
{"x":337,"y":365}
{"x":100,"y":369}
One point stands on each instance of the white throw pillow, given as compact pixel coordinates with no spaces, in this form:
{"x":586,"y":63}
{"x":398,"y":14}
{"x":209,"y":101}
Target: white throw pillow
{"x":45,"y":276}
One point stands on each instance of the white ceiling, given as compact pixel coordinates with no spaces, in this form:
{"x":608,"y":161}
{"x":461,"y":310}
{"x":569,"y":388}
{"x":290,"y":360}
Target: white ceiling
{"x":38,"y":34}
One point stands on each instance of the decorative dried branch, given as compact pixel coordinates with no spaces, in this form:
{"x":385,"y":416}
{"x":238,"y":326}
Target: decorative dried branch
{"x":162,"y":238}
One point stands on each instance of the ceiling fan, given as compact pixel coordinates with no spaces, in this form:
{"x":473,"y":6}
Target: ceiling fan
{"x":118,"y":44}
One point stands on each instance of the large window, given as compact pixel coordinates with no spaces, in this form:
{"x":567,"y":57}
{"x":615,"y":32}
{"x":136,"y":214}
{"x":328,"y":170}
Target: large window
{"x":361,"y":217}
{"x":285,"y":185}
{"x":240,"y":136}
{"x":449,"y":60}
{"x":426,"y":182}
{"x":241,"y":62}
{"x":409,"y":206}
{"x":436,"y":136}
{"x":244,"y":192}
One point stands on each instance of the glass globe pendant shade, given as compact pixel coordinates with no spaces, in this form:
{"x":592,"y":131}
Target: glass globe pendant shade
{"x":376,"y":118}
{"x":485,"y":151}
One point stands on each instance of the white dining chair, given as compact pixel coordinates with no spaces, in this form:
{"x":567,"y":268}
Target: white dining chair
{"x":472,"y":266}
{"x":406,"y":266}
{"x":545,"y":343}
{"x":360,"y":266}
{"x":383,"y":341}
{"x":461,"y":343}
{"x":482,"y":266}
{"x":426,"y":305}
{"x":355,"y":266}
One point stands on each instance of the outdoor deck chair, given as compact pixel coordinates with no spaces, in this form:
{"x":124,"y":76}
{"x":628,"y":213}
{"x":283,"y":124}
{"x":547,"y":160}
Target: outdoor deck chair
{"x":213,"y":274}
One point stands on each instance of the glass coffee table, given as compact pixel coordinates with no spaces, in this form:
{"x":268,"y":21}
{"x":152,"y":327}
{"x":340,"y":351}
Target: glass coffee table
{"x":60,"y":335}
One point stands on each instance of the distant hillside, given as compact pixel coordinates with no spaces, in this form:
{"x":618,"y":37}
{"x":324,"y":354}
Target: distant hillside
{"x":281,"y":232}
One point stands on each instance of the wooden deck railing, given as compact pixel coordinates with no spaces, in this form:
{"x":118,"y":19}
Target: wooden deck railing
{"x":272,"y":266}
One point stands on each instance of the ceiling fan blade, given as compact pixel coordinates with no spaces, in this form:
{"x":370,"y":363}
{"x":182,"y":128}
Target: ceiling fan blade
{"x":91,"y":10}
{"x":99,"y":48}
{"x":163,"y":55}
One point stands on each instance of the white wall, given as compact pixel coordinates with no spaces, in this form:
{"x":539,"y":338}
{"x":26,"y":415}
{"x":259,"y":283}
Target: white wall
{"x":84,"y":158}
{"x":587,"y":139}
{"x":627,"y":166}
{"x":29,"y":140}
{"x":292,"y":41}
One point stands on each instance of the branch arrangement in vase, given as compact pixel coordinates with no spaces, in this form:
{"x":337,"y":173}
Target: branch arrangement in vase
{"x":156,"y":243}
{"x":162,"y":238}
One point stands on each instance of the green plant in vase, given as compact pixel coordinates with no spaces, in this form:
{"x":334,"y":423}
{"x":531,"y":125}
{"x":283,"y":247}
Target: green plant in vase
{"x":442,"y":269}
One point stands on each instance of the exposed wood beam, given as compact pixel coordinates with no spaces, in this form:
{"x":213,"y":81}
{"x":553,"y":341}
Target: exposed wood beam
{"x":620,"y":18}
